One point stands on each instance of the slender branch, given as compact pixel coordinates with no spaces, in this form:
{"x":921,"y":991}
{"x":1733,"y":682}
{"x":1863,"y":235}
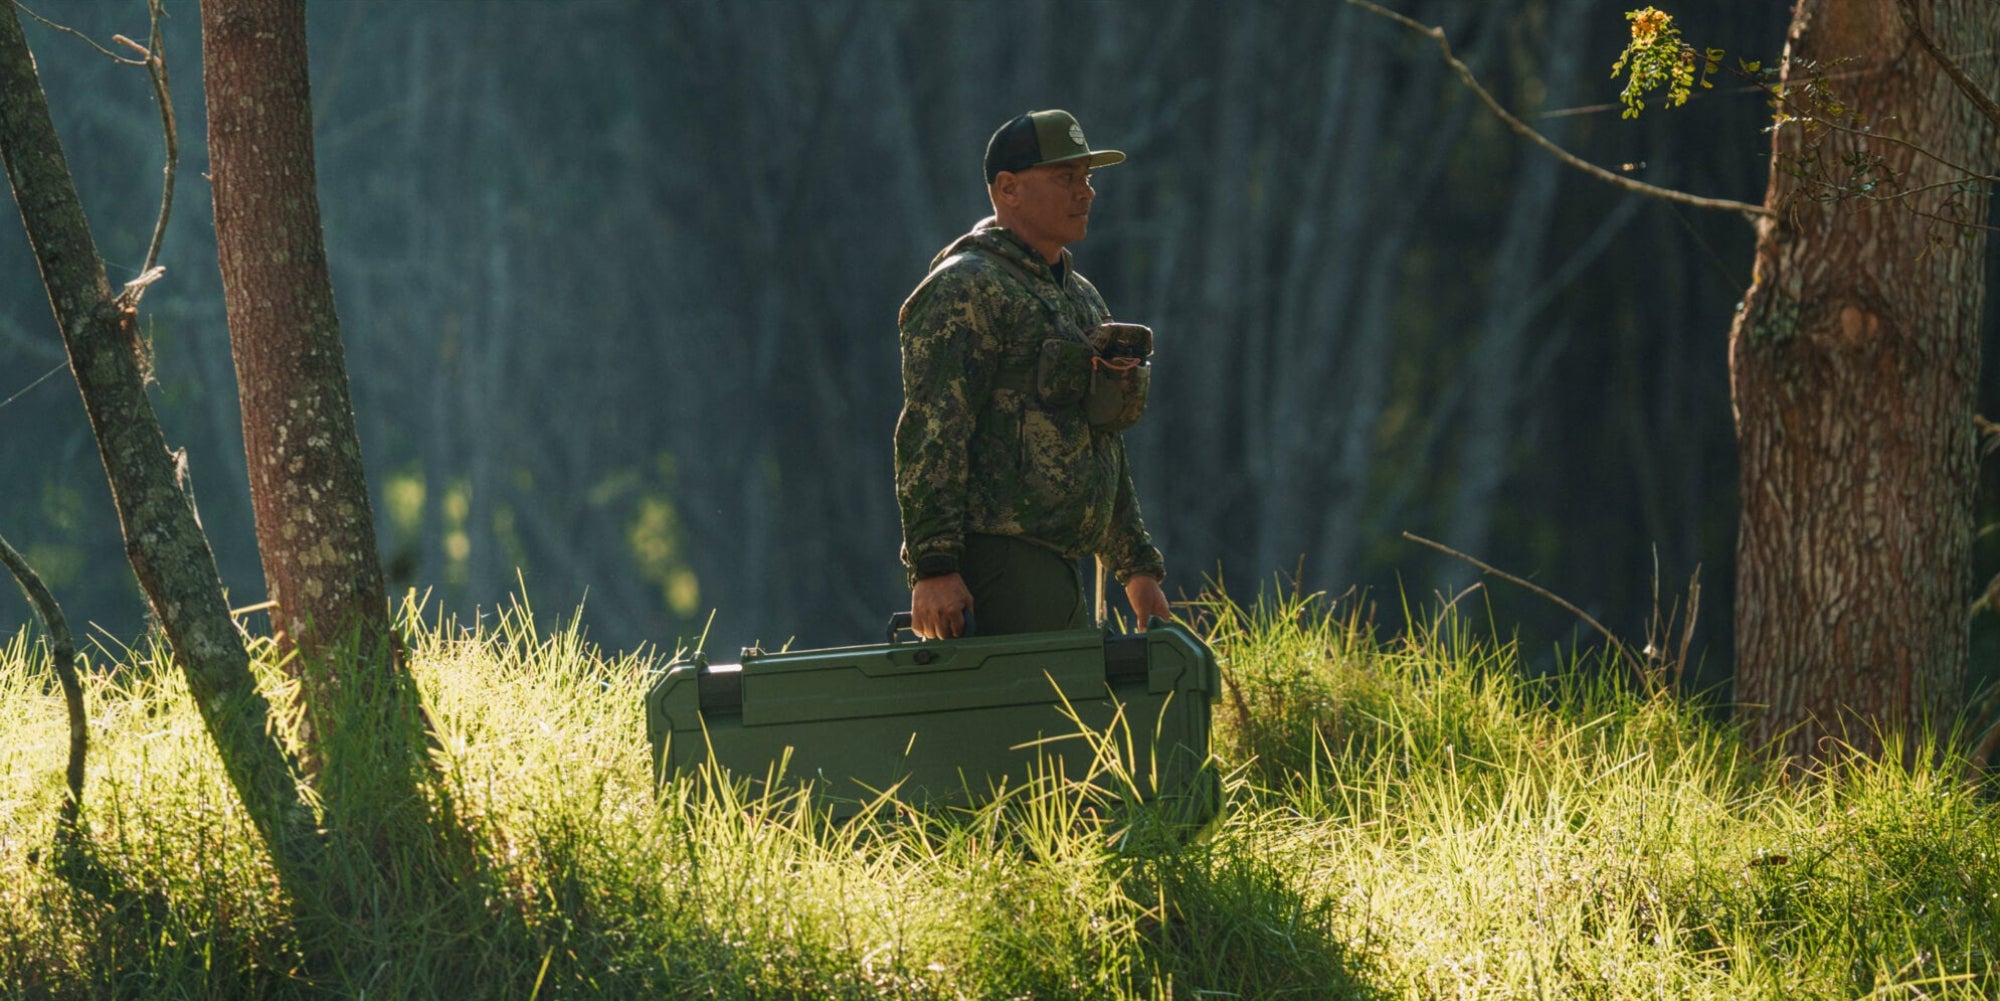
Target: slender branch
{"x":156,"y":68}
{"x":1746,"y":209}
{"x":1702,"y":95}
{"x":1840,"y":192}
{"x":155,"y":61}
{"x":86,"y":38}
{"x":153,"y":58}
{"x":1970,"y":174}
{"x":1921,"y":188}
{"x":1980,"y":99}
{"x":1538,"y":589}
{"x":62,"y":654}
{"x":24,"y":389}
{"x":1607,"y":106}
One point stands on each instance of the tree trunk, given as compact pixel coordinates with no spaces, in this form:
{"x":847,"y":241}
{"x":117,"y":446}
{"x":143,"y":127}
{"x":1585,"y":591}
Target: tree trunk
{"x":1854,"y":367}
{"x":165,"y":546}
{"x":365,"y":728}
{"x":315,"y":528}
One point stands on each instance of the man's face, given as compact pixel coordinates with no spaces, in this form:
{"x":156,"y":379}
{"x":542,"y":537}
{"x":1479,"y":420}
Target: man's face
{"x":1053,"y":203}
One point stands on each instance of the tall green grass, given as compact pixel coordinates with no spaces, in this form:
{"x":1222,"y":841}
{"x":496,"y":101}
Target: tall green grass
{"x":1404,"y":818}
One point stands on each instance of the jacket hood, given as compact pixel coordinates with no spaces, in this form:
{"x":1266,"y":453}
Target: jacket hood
{"x":999,"y":241}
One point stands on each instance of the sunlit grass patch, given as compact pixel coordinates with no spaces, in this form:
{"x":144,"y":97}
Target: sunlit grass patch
{"x":1403,"y":816}
{"x":169,"y":886}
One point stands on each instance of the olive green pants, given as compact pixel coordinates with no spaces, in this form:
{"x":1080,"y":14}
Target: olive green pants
{"x":1020,"y":587}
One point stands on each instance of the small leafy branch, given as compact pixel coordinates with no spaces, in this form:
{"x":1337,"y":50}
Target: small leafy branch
{"x":1466,"y":76}
{"x":1657,"y":57}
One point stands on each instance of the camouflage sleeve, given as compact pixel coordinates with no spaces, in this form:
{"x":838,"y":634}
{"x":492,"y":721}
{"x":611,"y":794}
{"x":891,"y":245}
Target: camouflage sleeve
{"x":949,"y":355}
{"x":1128,"y":548}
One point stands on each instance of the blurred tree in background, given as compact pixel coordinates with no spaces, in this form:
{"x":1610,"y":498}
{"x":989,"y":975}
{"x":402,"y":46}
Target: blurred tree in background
{"x":619,"y":283}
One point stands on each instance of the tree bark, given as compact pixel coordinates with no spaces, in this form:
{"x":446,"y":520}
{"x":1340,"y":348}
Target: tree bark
{"x":365,"y":727}
{"x":315,"y":526}
{"x":167,"y":550}
{"x":1854,"y":365}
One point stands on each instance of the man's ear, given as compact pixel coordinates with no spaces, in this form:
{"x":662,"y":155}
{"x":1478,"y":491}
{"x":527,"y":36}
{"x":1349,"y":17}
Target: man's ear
{"x":1005,"y":189}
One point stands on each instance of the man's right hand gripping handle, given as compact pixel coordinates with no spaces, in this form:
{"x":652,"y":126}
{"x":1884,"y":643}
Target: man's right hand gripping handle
{"x":938,"y":606}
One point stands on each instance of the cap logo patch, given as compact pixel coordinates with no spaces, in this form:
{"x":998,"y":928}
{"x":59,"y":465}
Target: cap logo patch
{"x":1076,"y":134}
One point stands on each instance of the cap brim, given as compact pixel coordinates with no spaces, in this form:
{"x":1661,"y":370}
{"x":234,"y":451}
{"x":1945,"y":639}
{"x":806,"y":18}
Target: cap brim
{"x":1096,"y":158}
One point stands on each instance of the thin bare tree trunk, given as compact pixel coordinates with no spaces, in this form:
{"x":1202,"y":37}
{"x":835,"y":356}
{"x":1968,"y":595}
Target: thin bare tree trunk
{"x":62,"y":657}
{"x":167,"y":550}
{"x":1854,"y":368}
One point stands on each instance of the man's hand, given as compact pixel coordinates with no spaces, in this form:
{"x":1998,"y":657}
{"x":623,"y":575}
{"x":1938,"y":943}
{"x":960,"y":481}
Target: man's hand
{"x":1147,"y":599}
{"x":938,"y":606}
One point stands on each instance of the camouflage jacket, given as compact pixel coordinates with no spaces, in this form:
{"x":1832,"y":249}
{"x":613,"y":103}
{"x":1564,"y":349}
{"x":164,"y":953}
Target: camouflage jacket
{"x":976,"y":449}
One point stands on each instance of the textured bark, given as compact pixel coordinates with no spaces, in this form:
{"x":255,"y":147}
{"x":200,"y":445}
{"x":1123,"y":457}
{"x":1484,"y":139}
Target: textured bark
{"x":362,"y":716}
{"x":315,"y":529}
{"x":165,"y":546}
{"x":1853,"y":368}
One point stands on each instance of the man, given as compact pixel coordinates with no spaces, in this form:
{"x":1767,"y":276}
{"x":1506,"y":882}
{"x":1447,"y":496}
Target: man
{"x":1006,"y":472}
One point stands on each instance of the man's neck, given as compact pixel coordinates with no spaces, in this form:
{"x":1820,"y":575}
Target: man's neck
{"x":1050,"y":253}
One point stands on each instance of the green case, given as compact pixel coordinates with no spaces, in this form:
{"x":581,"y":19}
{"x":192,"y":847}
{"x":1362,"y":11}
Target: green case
{"x":951,"y":722}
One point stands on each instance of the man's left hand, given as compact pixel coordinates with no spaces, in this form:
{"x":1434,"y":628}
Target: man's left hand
{"x":1148,"y":601}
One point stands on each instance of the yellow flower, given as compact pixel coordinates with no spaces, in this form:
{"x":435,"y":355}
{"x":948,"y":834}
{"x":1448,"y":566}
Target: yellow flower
{"x":1647,"y":23}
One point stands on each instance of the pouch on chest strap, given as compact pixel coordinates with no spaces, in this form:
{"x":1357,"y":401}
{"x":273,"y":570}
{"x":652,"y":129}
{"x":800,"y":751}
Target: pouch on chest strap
{"x":1121,"y":374}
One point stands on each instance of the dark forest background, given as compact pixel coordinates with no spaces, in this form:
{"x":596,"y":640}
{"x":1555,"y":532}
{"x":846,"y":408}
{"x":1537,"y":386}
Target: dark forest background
{"x":618,"y":284}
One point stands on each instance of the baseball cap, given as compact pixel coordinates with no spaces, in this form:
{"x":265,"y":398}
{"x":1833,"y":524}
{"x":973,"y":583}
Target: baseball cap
{"x":1040,"y":137}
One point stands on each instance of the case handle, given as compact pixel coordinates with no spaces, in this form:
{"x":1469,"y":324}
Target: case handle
{"x":901,"y":621}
